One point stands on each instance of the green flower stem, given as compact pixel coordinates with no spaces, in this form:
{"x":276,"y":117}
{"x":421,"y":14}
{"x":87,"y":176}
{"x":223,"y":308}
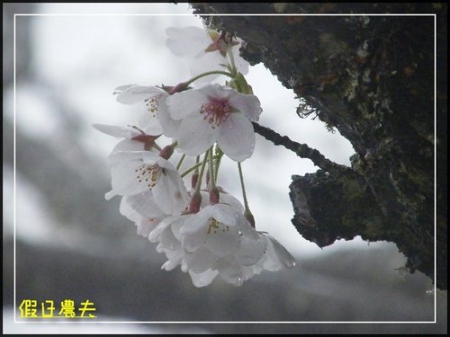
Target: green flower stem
{"x":212,"y":173}
{"x":194,"y":167}
{"x":215,"y":72}
{"x":244,"y":194}
{"x":202,"y":171}
{"x":247,"y":213}
{"x":180,"y":162}
{"x":217,"y":165}
{"x":233,"y":64}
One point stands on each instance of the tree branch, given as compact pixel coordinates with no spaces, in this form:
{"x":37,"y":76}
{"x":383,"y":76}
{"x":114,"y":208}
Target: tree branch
{"x":301,"y":150}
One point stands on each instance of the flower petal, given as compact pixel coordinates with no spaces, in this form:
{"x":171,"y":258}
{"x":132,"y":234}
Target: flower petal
{"x":203,"y":279}
{"x":228,"y":199}
{"x":250,"y":251}
{"x":173,"y":262}
{"x":276,"y":256}
{"x":195,"y":135}
{"x":150,"y":124}
{"x":193,"y":232}
{"x":207,"y":62}
{"x":248,"y":105}
{"x":131,"y":94}
{"x":231,"y":272}
{"x":144,"y":204}
{"x":182,"y":104}
{"x":200,"y":260}
{"x":236,"y":137}
{"x":222,"y":240}
{"x":224,"y":214}
{"x":162,"y":226}
{"x":170,"y":194}
{"x":125,"y":180}
{"x":146,"y":226}
{"x":117,"y":131}
{"x":127,"y":145}
{"x":168,"y":124}
{"x":187,"y":41}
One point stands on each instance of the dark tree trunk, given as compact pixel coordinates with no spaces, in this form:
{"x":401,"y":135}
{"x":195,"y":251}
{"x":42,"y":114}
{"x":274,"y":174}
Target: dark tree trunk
{"x":373,"y":79}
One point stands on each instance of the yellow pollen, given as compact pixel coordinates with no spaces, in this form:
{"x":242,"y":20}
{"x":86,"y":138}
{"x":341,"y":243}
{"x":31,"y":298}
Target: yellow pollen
{"x":215,"y":225}
{"x":152,"y":105}
{"x":148,"y":172}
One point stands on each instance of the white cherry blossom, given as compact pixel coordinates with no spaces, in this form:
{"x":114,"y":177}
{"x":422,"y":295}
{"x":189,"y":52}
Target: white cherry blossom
{"x":168,"y":243}
{"x":143,"y":211}
{"x":206,"y":50}
{"x":134,"y":139}
{"x":134,"y":172}
{"x":156,"y":119}
{"x":203,"y":279}
{"x":239,"y":266}
{"x":275,"y":256}
{"x":212,"y":114}
{"x":217,"y":241}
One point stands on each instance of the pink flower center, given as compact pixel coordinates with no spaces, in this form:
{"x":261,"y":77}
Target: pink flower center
{"x":216,"y":111}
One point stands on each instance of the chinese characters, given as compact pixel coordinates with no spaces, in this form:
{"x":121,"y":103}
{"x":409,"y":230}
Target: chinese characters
{"x":68,"y":308}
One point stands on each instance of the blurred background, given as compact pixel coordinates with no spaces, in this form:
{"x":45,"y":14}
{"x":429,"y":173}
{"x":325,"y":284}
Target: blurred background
{"x":66,"y":60}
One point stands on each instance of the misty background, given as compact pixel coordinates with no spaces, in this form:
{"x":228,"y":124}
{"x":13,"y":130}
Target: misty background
{"x":72,"y":243}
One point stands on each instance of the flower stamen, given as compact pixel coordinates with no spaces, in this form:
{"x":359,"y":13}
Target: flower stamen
{"x":152,"y":104}
{"x":214,"y":226}
{"x":149,"y":172}
{"x":216,"y":111}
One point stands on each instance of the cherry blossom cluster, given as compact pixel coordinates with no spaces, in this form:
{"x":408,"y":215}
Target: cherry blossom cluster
{"x":197,"y":225}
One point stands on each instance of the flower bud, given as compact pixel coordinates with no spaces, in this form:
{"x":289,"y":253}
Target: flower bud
{"x":213,"y":195}
{"x":195,"y":203}
{"x":166,"y":152}
{"x":178,"y":88}
{"x":194,"y":179}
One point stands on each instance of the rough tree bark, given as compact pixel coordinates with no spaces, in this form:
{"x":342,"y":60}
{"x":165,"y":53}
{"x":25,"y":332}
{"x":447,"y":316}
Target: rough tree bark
{"x":373,"y":79}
